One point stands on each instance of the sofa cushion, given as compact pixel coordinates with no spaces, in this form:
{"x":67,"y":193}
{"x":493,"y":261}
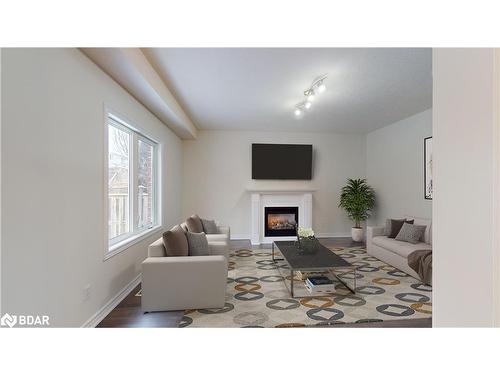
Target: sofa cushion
{"x":218,"y":237}
{"x":398,"y":247}
{"x":198,"y":244}
{"x":411,"y":233}
{"x":396,"y":226}
{"x":175,"y":242}
{"x":194,"y":224}
{"x":209,"y":226}
{"x":428,"y":230}
{"x":184,"y":227}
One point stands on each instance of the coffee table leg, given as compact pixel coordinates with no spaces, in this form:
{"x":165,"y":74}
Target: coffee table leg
{"x":291,"y":283}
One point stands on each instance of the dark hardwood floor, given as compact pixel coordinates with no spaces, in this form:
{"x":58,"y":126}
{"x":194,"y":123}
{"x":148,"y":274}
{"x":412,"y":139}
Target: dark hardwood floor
{"x":128,"y":313}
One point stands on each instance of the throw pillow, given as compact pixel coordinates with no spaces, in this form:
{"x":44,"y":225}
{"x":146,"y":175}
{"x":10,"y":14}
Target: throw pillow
{"x":194,"y":224}
{"x":198,"y":244}
{"x":175,"y":242}
{"x":209,"y":226}
{"x":388,"y":226}
{"x":411,"y":233}
{"x":396,"y":226}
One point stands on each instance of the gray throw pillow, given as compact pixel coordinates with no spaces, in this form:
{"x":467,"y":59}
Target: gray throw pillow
{"x":175,"y":242}
{"x":411,"y":233}
{"x":396,"y":226}
{"x":194,"y":224}
{"x":209,"y":226}
{"x":198,"y":244}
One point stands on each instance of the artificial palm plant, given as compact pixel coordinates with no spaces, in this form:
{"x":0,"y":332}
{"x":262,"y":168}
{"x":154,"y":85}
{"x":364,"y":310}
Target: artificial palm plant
{"x":357,"y":198}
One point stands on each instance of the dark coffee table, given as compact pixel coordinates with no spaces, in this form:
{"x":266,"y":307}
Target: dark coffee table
{"x":313,"y":258}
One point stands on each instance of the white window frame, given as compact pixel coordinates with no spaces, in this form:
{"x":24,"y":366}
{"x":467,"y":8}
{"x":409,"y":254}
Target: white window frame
{"x":135,"y":234}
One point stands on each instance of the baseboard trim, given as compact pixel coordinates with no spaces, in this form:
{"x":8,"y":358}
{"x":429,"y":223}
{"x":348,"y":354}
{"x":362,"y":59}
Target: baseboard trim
{"x":240,"y":236}
{"x":112,"y":303}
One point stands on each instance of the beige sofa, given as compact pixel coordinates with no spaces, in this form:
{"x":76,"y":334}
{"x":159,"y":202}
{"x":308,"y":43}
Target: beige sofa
{"x":185,"y":282}
{"x":223,"y":235}
{"x":395,"y":252}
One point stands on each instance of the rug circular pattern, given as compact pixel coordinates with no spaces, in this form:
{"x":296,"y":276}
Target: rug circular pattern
{"x":246,"y":280}
{"x":412,"y":297}
{"x":386,"y":281}
{"x":251,"y":318}
{"x":227,"y":307}
{"x":283,"y":304}
{"x":422,"y":307}
{"x":398,"y":273}
{"x":349,"y":300}
{"x":290,"y":325}
{"x":367,"y":269}
{"x":272,"y":278}
{"x":358,"y":251}
{"x":268,"y":267}
{"x":347,"y":256}
{"x":327,"y":313}
{"x":248,"y":296}
{"x":316,"y":302}
{"x":185,"y":321}
{"x":262,"y":254}
{"x":327,"y":323}
{"x":247,"y":287}
{"x":370,"y":259}
{"x":422,"y":287}
{"x":266,"y":262}
{"x":370,"y":290}
{"x":230,"y":280}
{"x":393,"y":309}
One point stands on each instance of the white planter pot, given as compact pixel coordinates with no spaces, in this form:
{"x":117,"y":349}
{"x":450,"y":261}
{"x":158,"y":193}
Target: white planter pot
{"x":357,"y":234}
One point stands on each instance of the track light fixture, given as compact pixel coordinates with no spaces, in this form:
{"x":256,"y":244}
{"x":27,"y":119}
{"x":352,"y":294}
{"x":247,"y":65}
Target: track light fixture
{"x":317,"y":87}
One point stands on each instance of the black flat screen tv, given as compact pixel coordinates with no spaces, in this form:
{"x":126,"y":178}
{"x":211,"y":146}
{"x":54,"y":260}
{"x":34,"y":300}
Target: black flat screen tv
{"x":281,"y":162}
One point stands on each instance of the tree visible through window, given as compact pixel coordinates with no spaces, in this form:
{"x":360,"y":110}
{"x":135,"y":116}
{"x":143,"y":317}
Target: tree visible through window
{"x":131,"y":182}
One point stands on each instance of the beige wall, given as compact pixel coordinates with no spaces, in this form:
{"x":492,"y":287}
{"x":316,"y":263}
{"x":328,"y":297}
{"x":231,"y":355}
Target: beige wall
{"x":217,"y":170}
{"x":464,"y":161}
{"x":53,"y":223}
{"x":395,"y":168}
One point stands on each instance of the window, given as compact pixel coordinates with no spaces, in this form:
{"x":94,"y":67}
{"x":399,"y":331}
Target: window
{"x":132,"y":183}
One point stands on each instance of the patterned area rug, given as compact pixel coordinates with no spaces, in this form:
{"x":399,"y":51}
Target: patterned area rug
{"x":258,"y":297}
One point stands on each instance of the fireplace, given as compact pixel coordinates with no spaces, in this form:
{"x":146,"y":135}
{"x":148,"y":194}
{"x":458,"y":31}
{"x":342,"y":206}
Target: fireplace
{"x":280,"y":221}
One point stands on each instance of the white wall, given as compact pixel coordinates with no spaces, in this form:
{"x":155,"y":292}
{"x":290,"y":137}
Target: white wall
{"x":217,"y":170}
{"x":464,"y":160}
{"x":395,"y":168}
{"x":53,"y":185}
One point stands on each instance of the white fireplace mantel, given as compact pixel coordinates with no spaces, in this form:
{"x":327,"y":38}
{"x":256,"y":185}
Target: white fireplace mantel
{"x":262,"y":198}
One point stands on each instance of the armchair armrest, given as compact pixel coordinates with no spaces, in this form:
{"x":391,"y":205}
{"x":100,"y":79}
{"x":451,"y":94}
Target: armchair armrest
{"x":373,"y":232}
{"x":224,"y":230}
{"x":219,"y":248}
{"x":156,"y":249}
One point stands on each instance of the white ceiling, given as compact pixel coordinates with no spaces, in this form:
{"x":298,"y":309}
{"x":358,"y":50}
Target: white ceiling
{"x":257,"y":88}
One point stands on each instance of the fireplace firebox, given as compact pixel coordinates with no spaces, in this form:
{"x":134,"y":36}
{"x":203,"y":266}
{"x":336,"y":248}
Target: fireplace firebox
{"x":281,"y":221}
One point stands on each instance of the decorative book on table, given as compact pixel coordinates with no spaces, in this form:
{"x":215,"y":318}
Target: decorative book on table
{"x":321,"y":284}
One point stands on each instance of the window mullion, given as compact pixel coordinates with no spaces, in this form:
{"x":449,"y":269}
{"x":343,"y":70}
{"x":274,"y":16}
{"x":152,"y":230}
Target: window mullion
{"x":134,"y":167}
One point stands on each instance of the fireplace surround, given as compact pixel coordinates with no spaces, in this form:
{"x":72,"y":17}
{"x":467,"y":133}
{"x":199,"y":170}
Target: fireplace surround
{"x":290,"y":197}
{"x":280,"y":221}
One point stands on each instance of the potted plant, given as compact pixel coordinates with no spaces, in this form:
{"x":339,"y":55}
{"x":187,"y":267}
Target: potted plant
{"x":357,"y":198}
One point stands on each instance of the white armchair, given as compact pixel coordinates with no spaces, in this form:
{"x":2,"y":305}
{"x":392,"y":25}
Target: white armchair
{"x":186,"y":282}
